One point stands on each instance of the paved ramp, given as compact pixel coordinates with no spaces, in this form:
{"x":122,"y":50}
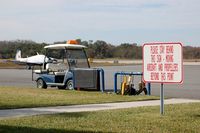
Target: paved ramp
{"x":9,"y":113}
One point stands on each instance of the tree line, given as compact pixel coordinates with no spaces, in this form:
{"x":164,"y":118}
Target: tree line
{"x":98,"y":49}
{"x":8,"y":48}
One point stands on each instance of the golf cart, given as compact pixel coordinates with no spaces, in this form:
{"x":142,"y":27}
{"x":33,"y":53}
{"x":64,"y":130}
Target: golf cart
{"x":66,"y":66}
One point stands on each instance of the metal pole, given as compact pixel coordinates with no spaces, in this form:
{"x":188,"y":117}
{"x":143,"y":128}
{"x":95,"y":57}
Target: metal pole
{"x":161,"y":100}
{"x":115,"y":82}
{"x":32,"y":72}
{"x":149,"y":88}
{"x":102,"y":80}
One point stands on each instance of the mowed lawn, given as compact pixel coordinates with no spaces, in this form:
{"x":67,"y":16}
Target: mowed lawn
{"x":12,"y":97}
{"x":182,"y":118}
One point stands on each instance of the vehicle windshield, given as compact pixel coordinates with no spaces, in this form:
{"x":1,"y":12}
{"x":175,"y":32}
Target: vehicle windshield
{"x":56,"y":56}
{"x":77,"y":58}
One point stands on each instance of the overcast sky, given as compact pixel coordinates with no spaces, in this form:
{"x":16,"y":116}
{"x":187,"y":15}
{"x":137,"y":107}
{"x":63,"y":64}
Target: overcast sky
{"x":114,"y":21}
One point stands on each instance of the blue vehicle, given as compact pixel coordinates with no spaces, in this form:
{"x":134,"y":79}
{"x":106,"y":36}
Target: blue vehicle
{"x":66,"y":66}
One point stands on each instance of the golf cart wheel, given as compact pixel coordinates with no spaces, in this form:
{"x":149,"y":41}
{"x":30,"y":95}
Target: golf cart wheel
{"x":70,"y":84}
{"x":41,"y":84}
{"x":61,"y":87}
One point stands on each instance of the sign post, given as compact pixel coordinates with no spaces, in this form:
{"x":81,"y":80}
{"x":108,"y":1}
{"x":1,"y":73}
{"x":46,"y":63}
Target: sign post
{"x":162,"y":63}
{"x":161,"y":99}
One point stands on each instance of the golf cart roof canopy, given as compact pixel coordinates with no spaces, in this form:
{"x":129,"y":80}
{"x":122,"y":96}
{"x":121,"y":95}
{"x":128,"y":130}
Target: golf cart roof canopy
{"x":63,"y":46}
{"x":70,"y":44}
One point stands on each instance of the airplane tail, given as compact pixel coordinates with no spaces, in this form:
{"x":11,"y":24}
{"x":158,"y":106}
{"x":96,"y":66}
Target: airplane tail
{"x":18,"y":55}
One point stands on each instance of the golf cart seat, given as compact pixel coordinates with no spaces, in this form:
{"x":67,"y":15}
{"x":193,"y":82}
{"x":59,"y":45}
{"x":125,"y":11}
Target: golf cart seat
{"x":59,"y":73}
{"x":57,"y":69}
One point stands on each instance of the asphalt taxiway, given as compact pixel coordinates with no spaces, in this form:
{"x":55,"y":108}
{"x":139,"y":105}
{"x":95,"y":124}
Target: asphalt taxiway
{"x":189,"y":89}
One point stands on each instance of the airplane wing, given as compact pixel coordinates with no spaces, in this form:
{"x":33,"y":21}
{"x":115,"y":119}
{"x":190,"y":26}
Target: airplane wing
{"x":24,"y":63}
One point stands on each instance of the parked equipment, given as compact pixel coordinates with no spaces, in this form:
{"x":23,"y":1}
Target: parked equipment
{"x":128,"y":88}
{"x":68,"y":67}
{"x":128,"y":84}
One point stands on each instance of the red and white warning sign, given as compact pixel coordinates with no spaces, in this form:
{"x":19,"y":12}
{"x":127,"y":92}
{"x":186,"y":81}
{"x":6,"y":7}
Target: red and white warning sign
{"x":162,"y":62}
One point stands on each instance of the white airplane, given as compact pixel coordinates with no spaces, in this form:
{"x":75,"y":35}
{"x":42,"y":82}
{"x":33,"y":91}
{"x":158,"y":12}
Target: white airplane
{"x":30,"y":61}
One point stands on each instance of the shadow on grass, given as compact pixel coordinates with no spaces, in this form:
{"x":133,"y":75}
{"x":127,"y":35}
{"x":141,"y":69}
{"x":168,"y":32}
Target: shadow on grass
{"x":17,"y":106}
{"x":71,"y":114}
{"x":197,"y":115}
{"x":15,"y":129}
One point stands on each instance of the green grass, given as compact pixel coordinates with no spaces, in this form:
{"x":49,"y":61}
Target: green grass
{"x":177,"y":119}
{"x":11,"y":97}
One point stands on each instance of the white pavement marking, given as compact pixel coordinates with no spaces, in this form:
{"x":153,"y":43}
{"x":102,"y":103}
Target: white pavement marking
{"x":9,"y":113}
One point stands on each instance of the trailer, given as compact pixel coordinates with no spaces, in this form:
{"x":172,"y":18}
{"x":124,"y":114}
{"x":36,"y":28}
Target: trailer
{"x":66,"y":66}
